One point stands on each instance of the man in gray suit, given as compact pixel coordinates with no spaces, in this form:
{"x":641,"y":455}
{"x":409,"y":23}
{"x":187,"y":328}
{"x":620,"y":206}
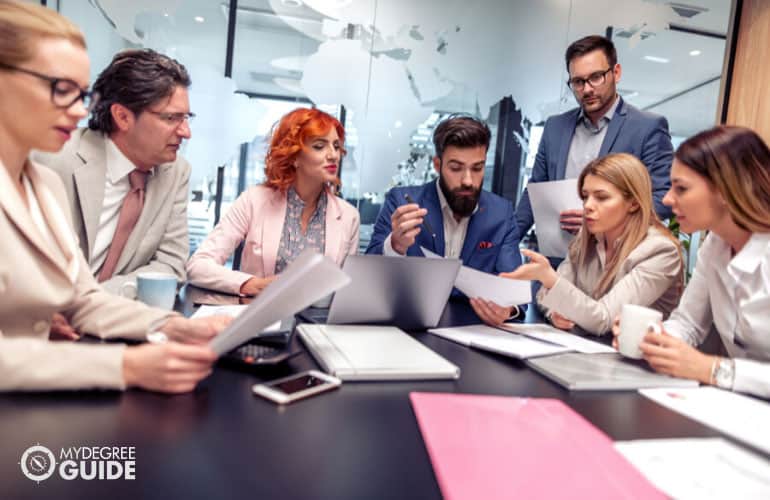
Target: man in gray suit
{"x":127,"y":187}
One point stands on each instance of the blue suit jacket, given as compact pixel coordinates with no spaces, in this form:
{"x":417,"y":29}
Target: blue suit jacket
{"x":642,"y":134}
{"x":492,"y":223}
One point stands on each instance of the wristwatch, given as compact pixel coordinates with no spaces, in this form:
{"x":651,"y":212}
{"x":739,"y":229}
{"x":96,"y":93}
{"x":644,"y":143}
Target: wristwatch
{"x":724,"y":373}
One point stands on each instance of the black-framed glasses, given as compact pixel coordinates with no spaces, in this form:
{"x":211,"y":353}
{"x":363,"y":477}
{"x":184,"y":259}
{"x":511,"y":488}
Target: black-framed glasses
{"x":64,"y":92}
{"x":594,"y":79}
{"x":173,"y":119}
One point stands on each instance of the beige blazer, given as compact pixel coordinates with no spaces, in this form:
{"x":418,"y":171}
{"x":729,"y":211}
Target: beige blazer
{"x":651,"y":276}
{"x":257,"y":218}
{"x":159,"y":241}
{"x":37,"y":281}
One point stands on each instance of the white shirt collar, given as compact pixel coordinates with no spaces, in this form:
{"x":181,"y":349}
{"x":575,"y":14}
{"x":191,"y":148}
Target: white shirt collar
{"x":751,"y":254}
{"x":118,"y":165}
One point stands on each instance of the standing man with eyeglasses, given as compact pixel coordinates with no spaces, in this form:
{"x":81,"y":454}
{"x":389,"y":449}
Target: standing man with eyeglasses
{"x":127,"y":187}
{"x":603,"y":123}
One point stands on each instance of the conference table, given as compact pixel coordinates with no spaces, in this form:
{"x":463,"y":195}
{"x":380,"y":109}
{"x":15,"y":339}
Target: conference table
{"x":360,"y":441}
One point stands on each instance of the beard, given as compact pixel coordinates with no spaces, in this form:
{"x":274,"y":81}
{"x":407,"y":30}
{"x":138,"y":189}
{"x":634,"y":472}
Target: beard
{"x":461,"y":204}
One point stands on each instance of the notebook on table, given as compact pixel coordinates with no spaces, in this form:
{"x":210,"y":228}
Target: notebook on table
{"x":602,"y":372}
{"x":357,"y":352}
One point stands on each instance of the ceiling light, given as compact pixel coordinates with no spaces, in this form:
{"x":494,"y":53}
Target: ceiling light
{"x":199,"y":19}
{"x":657,"y":59}
{"x":292,"y":3}
{"x":695,"y":52}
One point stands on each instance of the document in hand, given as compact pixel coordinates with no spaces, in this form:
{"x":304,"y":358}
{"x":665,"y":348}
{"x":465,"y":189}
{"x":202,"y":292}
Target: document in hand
{"x":477,"y":284}
{"x":309,"y":278}
{"x":489,"y":447}
{"x":548,"y":199}
{"x":742,"y":417}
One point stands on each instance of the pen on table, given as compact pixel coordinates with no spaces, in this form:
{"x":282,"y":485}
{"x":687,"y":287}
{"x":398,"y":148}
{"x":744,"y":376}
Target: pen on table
{"x":424,"y":220}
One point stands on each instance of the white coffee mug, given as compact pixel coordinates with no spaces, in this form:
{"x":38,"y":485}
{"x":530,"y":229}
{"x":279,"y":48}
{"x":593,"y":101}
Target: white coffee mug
{"x":154,"y":289}
{"x":635,"y":322}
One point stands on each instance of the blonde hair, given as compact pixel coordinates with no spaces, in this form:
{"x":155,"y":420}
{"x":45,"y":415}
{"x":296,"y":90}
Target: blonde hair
{"x":22,"y":24}
{"x":630,"y":177}
{"x":736,"y":161}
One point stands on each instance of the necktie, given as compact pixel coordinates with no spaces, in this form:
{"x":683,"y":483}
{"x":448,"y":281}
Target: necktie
{"x":129,"y":214}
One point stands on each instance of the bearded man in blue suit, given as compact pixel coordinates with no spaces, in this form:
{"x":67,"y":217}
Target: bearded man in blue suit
{"x":453,"y":216}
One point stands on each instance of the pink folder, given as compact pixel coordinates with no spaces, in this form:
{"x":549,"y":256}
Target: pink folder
{"x":487,"y":447}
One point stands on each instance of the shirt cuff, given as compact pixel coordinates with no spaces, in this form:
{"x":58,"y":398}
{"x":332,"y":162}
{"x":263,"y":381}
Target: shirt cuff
{"x":387,"y":248}
{"x":751,"y":377}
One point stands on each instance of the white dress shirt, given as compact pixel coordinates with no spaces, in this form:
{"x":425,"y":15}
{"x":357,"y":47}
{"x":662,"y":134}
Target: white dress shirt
{"x":116,"y":187}
{"x":733,"y":294}
{"x":454,"y":230}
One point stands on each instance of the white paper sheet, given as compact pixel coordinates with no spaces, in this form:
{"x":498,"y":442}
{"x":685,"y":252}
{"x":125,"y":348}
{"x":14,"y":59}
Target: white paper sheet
{"x":478,"y":284}
{"x":548,"y":199}
{"x":542,"y":331}
{"x":496,"y":340}
{"x":742,"y":417}
{"x":309,"y":278}
{"x":229,"y":310}
{"x":702,"y":469}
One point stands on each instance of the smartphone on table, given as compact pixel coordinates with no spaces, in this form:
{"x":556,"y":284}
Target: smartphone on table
{"x":301,"y":385}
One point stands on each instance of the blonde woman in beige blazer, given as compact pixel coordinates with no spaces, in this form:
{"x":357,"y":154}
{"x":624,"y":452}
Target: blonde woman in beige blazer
{"x":44,"y":76}
{"x":293,"y":210}
{"x":622,"y":255}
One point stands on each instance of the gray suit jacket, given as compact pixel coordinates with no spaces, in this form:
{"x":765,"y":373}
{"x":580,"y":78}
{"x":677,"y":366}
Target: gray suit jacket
{"x":159,"y":241}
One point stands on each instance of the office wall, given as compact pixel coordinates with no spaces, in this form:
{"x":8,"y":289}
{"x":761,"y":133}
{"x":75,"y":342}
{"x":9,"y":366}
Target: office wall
{"x":749,"y":102}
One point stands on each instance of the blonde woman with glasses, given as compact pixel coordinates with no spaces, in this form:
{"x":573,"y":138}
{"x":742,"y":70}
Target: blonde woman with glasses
{"x":44,"y":80}
{"x":622,"y":254}
{"x":720,"y":182}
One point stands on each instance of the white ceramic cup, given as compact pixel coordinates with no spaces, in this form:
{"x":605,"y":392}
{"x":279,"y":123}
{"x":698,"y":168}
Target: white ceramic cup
{"x":154,"y":289}
{"x":635,"y":322}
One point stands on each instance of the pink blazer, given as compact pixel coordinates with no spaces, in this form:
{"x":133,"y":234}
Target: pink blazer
{"x":257,"y":217}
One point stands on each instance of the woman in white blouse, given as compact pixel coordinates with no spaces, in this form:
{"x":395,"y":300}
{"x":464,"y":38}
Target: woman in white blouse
{"x":720,"y":182}
{"x":622,"y":255}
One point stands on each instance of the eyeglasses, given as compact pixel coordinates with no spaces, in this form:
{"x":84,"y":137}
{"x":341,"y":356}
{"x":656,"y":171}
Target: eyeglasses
{"x":594,"y":79}
{"x":173,"y":119}
{"x":64,"y":92}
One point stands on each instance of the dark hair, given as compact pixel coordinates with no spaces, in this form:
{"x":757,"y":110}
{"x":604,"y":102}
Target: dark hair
{"x":136,"y":78}
{"x":461,"y":131}
{"x":736,"y":162}
{"x":589,"y":44}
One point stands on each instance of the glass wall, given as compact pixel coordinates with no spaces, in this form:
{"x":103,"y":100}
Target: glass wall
{"x":392,"y":69}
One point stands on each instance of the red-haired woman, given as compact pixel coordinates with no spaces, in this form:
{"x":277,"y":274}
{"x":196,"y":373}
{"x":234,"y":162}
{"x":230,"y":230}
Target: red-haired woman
{"x":295,"y":209}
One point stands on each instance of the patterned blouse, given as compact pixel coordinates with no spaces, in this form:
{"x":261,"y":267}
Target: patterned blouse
{"x":293,"y":242}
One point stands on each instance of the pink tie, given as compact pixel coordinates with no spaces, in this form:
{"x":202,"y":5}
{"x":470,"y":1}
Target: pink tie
{"x":129,"y":214}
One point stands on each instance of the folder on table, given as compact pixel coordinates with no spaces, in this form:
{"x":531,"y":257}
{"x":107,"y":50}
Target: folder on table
{"x":500,"y":447}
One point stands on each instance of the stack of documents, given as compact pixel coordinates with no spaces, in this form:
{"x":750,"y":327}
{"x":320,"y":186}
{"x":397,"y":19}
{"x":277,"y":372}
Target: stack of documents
{"x":489,"y":447}
{"x":703,"y":469}
{"x":741,"y":417}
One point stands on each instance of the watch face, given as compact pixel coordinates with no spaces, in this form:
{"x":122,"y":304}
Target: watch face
{"x":725,"y":374}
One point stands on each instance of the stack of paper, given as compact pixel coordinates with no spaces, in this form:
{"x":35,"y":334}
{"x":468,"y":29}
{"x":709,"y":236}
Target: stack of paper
{"x":702,"y":469}
{"x":547,"y":333}
{"x":492,"y":339}
{"x":741,"y":417}
{"x":489,"y":447}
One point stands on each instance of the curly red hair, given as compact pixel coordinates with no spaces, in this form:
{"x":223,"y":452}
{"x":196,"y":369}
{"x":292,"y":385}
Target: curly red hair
{"x":289,"y":137}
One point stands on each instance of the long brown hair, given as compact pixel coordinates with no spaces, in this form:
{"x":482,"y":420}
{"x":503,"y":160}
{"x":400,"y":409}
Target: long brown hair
{"x":630,"y":177}
{"x":736,"y":161}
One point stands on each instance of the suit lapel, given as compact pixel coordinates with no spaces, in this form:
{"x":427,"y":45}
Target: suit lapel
{"x":333,"y":243}
{"x":613,"y":129}
{"x":567,"y":134}
{"x":435,"y":218}
{"x":18,"y":213}
{"x":89,"y":181}
{"x":272,"y":229}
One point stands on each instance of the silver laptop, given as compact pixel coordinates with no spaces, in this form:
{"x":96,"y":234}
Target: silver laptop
{"x":407,"y":292}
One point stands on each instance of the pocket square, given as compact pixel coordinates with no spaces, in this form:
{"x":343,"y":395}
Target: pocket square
{"x":485,"y":244}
